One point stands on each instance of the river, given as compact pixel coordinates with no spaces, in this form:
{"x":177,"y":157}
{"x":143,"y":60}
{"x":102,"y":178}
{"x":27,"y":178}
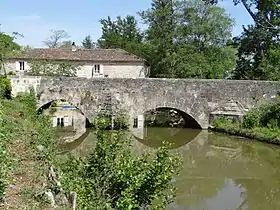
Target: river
{"x":220,"y":172}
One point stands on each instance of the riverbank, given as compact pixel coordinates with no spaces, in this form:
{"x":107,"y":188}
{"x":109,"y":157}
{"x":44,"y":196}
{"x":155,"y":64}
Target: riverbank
{"x":262,"y":124}
{"x":27,"y":156}
{"x":267,"y":135}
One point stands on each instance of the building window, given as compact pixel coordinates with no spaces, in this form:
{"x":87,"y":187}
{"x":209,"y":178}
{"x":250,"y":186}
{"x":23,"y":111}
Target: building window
{"x":21,"y":65}
{"x":97,"y":69}
{"x":60,"y":122}
{"x":135,"y":122}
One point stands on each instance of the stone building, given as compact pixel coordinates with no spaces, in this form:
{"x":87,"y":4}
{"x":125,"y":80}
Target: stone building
{"x":114,"y":63}
{"x":91,"y":63}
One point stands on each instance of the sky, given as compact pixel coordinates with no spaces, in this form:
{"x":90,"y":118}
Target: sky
{"x":34,"y":18}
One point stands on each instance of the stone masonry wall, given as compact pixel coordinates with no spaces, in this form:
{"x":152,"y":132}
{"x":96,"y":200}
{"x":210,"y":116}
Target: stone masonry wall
{"x":198,"y":98}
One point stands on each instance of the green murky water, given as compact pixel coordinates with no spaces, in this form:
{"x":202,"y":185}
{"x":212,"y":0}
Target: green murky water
{"x":220,"y":172}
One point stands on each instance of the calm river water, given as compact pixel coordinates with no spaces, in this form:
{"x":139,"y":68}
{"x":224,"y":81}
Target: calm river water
{"x":220,"y":172}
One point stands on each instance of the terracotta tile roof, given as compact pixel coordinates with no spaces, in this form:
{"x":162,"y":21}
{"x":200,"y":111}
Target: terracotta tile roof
{"x":107,"y":55}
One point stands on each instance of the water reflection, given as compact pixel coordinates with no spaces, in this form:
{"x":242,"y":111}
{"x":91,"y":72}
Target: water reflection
{"x":220,"y":172}
{"x":177,"y":137}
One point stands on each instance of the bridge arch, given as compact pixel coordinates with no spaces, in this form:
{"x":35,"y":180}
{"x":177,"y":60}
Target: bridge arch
{"x":71,"y":107}
{"x":189,"y":120}
{"x":191,"y":111}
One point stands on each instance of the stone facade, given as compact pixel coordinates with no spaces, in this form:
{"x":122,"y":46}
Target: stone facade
{"x":114,"y":63}
{"x":197,"y":98}
{"x":86,"y":69}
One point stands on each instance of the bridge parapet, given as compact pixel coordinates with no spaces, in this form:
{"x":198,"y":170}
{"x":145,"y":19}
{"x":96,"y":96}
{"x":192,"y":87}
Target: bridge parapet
{"x":22,"y":84}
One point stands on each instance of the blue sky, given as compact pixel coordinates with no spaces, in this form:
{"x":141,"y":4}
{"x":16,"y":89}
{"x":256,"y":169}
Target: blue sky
{"x":35,"y":18}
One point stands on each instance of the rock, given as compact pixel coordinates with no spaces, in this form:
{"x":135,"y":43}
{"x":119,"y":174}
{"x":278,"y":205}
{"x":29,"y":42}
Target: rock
{"x":50,"y":198}
{"x":40,"y":148}
{"x":61,"y":199}
{"x":73,"y":200}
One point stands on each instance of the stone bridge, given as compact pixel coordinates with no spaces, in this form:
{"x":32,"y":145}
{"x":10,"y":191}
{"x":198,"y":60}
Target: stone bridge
{"x":200,"y":99}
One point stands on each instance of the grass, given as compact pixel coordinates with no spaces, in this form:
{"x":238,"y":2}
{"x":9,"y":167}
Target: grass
{"x":263,"y":134}
{"x":23,"y":167}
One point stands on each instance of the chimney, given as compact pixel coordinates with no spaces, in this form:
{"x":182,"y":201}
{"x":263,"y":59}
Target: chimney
{"x":74,"y":48}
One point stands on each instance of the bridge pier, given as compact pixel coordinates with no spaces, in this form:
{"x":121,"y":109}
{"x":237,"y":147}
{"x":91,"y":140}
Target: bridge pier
{"x":137,"y":126}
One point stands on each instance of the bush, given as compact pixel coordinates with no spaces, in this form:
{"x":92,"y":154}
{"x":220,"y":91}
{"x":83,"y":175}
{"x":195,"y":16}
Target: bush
{"x":120,"y":122}
{"x":115,"y":178}
{"x":262,"y":123}
{"x":252,"y":119}
{"x":5,"y":88}
{"x":11,"y":73}
{"x":267,"y":115}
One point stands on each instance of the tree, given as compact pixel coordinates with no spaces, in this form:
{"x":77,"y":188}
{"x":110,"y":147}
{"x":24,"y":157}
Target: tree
{"x":189,"y":39}
{"x":88,"y":43}
{"x":7,"y":46}
{"x":56,"y":38}
{"x":257,"y":10}
{"x":258,"y":40}
{"x":116,"y":34}
{"x":204,"y":31}
{"x":203,"y":25}
{"x":160,"y":19}
{"x":66,"y":44}
{"x":184,"y":38}
{"x":125,"y":34}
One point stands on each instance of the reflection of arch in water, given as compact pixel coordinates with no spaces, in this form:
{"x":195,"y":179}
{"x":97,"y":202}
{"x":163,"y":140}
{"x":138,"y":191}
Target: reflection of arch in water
{"x":69,"y":107}
{"x":177,"y":137}
{"x":189,"y":120}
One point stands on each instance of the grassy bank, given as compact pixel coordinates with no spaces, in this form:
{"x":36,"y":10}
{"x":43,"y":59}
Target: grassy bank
{"x":27,"y":152}
{"x":33,"y":176}
{"x":262,"y":124}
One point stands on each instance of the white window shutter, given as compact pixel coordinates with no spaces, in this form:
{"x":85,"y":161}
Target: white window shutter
{"x":101,"y":69}
{"x":54,"y":121}
{"x":17,"y":66}
{"x":66,"y":121}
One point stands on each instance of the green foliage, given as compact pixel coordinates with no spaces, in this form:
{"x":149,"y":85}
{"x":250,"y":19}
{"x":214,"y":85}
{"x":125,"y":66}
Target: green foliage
{"x":183,"y":39}
{"x":259,"y":43}
{"x":52,"y":68}
{"x":21,"y":132}
{"x":262,"y":123}
{"x":120,"y":121}
{"x":267,"y":115}
{"x":103,"y":121}
{"x":5,"y":88}
{"x":11,"y":73}
{"x":88,"y":43}
{"x":116,"y":34}
{"x":113,"y":177}
{"x":252,"y":119}
{"x":7,"y":46}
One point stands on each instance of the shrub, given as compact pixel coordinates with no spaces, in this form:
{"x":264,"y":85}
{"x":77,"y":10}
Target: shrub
{"x":252,"y":119}
{"x":113,"y":177}
{"x":267,"y":115}
{"x":120,"y":121}
{"x":5,"y":88}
